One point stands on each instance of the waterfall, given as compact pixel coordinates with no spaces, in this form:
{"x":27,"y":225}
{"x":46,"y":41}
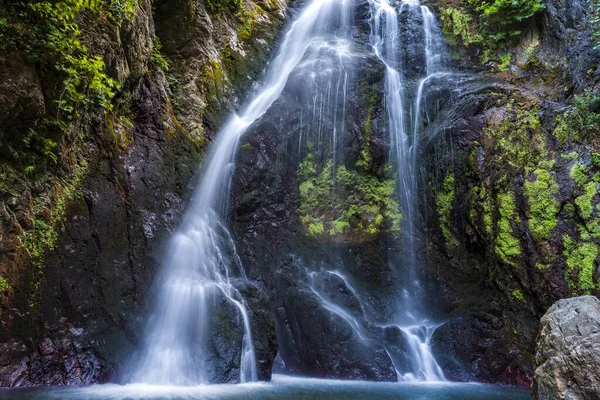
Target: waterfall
{"x":201,"y":267}
{"x":201,"y":275}
{"x":385,"y":40}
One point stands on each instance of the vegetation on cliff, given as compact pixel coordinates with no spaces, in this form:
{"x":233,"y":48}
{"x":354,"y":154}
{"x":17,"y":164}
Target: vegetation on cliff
{"x":346,"y":202}
{"x":86,"y":76}
{"x":485,"y":28}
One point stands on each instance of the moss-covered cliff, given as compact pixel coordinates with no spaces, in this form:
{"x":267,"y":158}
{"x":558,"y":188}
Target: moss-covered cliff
{"x":510,"y":178}
{"x":107,"y":107}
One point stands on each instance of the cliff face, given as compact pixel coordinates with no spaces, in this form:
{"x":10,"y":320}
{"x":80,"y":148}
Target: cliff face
{"x":89,"y":194}
{"x":509,"y":175}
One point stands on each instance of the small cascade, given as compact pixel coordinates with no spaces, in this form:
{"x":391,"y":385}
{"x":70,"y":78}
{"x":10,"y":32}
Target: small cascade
{"x":322,"y":79}
{"x":316,"y":283}
{"x":423,"y":362}
{"x":201,"y":271}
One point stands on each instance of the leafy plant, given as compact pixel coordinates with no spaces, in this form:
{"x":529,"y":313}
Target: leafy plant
{"x":85,"y":83}
{"x":582,"y":122}
{"x":218,"y":7}
{"x":486,"y":25}
{"x":120,"y":10}
{"x":157,"y":59}
{"x":457,"y":25}
{"x":503,"y":17}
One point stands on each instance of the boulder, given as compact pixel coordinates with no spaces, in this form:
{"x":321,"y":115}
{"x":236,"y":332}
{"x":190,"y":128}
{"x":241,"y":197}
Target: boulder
{"x":568,"y":351}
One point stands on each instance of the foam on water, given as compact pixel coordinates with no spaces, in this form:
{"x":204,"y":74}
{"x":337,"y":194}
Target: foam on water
{"x":281,"y":388}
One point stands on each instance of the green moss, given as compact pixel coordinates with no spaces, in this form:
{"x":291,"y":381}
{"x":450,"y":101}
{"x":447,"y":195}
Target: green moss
{"x":504,"y":63}
{"x":543,"y":205}
{"x":581,"y":264}
{"x":4,"y":292}
{"x":585,"y":202}
{"x":339,"y":227}
{"x":444,"y":200}
{"x":4,"y":286}
{"x":316,"y":228}
{"x":248,"y":18}
{"x":581,"y":123}
{"x":518,"y":140}
{"x":213,"y":78}
{"x":47,"y":221}
{"x":507,"y":245}
{"x":517,"y":294}
{"x":579,"y":173}
{"x":457,"y":26}
{"x":345,"y":201}
{"x":503,"y":19}
{"x":218,"y":7}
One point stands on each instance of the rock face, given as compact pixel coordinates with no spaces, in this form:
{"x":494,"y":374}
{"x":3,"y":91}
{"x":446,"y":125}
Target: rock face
{"x":504,"y":208}
{"x":334,"y":290}
{"x":276,"y":248}
{"x":568,"y":351}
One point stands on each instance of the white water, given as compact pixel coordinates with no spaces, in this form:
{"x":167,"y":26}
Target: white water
{"x":315,"y":281}
{"x":322,"y":78}
{"x":410,"y":320}
{"x":197,"y":275}
{"x":281,"y":388}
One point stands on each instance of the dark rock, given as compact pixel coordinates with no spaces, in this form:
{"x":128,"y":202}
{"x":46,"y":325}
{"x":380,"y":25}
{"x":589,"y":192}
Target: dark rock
{"x":324,"y":328}
{"x":567,"y":40}
{"x":568,"y":351}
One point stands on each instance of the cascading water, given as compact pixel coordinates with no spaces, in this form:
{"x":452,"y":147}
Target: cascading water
{"x":202,"y":272}
{"x":198,"y":271}
{"x":386,"y":44}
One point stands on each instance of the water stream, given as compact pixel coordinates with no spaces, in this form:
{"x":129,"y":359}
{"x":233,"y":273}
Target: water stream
{"x":411,"y":319}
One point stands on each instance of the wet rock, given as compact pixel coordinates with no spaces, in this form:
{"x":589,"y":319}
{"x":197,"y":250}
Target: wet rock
{"x":60,"y":359}
{"x":316,"y":339}
{"x":263,"y":328}
{"x":567,"y":40}
{"x":568,"y":351}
